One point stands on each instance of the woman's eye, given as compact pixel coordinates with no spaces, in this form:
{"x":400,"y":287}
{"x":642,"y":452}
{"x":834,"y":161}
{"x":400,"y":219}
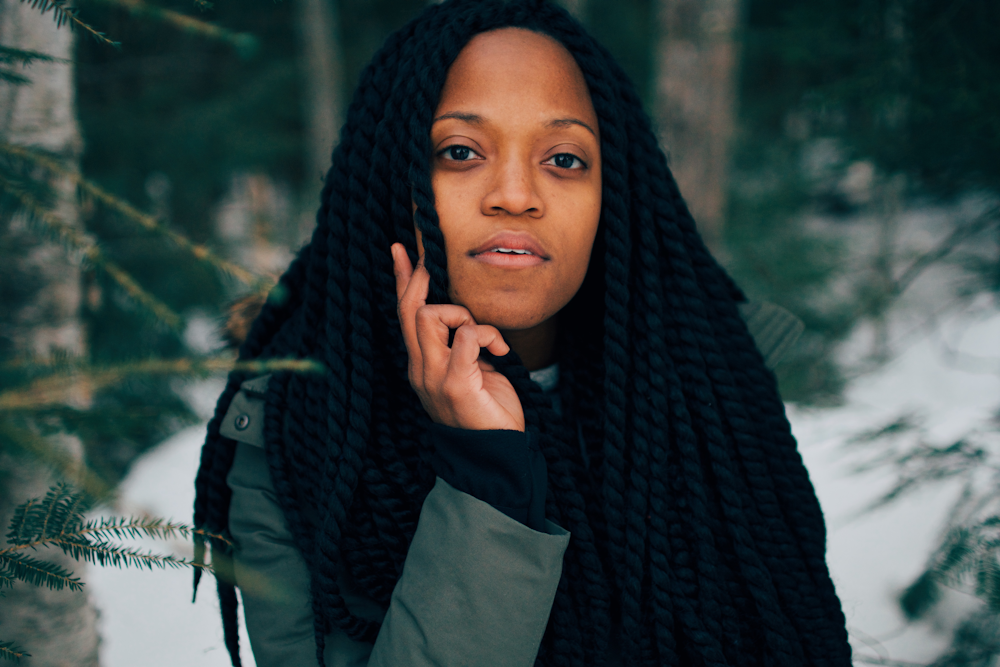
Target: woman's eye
{"x":567,"y":161}
{"x":458,"y":153}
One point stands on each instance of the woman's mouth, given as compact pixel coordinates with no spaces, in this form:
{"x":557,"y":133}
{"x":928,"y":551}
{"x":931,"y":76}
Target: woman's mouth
{"x":511,"y":250}
{"x":509,"y":257}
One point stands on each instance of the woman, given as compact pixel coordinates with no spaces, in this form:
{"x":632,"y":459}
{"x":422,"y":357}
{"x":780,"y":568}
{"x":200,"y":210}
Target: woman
{"x":554,"y":438}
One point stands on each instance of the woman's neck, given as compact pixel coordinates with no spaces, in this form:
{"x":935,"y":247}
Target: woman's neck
{"x":535,"y":346}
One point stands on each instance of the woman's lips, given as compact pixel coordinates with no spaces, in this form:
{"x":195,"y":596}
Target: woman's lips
{"x":511,"y":250}
{"x":511,"y":260}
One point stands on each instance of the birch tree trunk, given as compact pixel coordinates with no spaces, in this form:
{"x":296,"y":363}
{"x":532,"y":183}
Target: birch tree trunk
{"x":695,"y":99}
{"x":40,"y":293}
{"x":577,"y":8}
{"x":322,"y":79}
{"x":323,"y":83}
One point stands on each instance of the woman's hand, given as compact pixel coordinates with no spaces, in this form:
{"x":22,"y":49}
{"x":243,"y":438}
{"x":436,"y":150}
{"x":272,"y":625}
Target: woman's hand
{"x":455,"y":386}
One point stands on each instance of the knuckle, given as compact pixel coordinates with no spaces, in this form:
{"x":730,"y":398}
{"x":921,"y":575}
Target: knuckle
{"x":425,"y":314}
{"x":450,"y":391}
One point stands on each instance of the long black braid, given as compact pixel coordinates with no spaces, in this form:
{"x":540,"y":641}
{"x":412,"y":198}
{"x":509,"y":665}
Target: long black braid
{"x":695,"y":528}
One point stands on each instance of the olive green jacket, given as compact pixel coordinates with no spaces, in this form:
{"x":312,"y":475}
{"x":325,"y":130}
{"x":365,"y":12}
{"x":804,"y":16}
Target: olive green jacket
{"x":477,"y":586}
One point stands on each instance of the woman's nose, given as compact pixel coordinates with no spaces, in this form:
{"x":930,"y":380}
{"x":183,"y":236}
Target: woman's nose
{"x":513,"y":190}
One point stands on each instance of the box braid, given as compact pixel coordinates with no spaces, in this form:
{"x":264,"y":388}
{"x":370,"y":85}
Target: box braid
{"x":695,"y":527}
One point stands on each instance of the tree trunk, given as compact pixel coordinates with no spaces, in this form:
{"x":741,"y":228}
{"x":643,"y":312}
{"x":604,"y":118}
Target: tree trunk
{"x":322,"y":79}
{"x":577,"y":8}
{"x":322,"y":88}
{"x":695,"y":102}
{"x":40,"y":292}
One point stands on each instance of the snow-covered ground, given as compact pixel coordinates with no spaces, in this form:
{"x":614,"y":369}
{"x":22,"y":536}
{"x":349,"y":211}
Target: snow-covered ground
{"x":873,"y":556}
{"x":147,"y":618}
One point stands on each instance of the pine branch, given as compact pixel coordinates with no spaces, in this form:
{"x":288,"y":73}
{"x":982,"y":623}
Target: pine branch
{"x":9,"y":651}
{"x":60,"y":510}
{"x":133,"y":528}
{"x":54,"y":389}
{"x":958,"y":235}
{"x":103,"y":553}
{"x":57,"y":510}
{"x":39,"y":572}
{"x":64,"y":15}
{"x":13,"y":78}
{"x":245,"y":43}
{"x":58,"y":519}
{"x":134,"y":215}
{"x":12,"y":55}
{"x":18,"y":523}
{"x":881,"y":300}
{"x":24,"y":441}
{"x":6,"y":581}
{"x":75,"y":239}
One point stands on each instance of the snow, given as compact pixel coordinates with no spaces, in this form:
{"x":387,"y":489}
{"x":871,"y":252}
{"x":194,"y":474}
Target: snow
{"x":874,"y":556}
{"x":949,"y":374}
{"x":146,"y":618}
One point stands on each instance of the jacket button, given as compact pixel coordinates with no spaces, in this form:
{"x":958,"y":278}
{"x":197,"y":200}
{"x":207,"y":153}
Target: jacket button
{"x":242,"y":422}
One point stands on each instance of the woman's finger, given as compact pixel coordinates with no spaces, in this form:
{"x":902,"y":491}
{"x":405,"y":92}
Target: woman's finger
{"x":433,"y":328}
{"x":401,"y":268}
{"x":411,"y":290}
{"x":470,"y":339}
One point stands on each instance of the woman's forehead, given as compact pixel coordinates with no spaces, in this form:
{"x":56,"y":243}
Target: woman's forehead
{"x":504,"y":67}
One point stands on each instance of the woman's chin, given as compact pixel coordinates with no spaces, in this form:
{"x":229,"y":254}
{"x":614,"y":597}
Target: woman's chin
{"x":511,"y":318}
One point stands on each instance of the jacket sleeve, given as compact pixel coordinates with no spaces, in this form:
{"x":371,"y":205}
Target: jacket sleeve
{"x":273,"y":577}
{"x":476,"y":589}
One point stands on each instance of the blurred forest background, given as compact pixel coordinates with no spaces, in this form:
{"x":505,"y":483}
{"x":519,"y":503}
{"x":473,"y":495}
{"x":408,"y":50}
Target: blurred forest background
{"x":161,"y":158}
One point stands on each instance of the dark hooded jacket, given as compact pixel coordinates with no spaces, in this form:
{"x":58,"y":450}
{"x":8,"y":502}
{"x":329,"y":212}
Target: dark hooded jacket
{"x":480,"y":575}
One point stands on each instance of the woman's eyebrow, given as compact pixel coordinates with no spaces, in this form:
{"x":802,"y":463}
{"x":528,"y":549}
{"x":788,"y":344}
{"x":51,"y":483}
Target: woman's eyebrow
{"x":475,"y":119}
{"x":566,"y":122}
{"x":470,"y":118}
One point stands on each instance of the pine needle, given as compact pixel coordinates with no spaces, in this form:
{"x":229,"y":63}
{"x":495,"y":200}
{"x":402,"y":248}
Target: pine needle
{"x":39,"y":572}
{"x":6,"y":581}
{"x":9,"y":651}
{"x":245,"y":43}
{"x":136,"y":216}
{"x":12,"y":55}
{"x":64,"y":15}
{"x":7,"y":76}
{"x":58,"y":520}
{"x":55,"y":389}
{"x":26,"y":442}
{"x":75,"y":239}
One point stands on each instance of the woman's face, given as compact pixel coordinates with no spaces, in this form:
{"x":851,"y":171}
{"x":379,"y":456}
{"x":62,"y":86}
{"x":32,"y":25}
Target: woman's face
{"x":516,"y":168}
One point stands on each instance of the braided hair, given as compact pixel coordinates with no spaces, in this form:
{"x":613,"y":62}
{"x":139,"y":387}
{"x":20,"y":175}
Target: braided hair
{"x":695,"y":528}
